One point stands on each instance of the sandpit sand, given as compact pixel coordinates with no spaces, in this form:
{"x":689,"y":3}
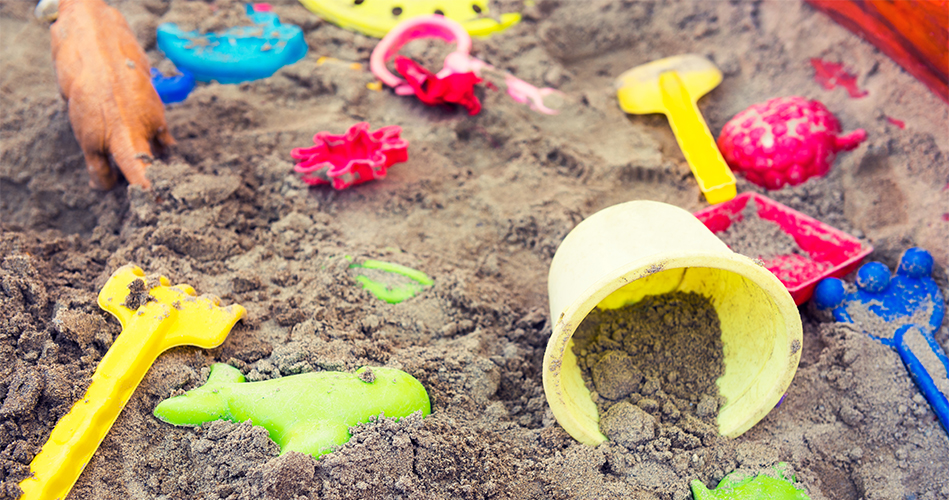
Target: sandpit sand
{"x":481,"y":206}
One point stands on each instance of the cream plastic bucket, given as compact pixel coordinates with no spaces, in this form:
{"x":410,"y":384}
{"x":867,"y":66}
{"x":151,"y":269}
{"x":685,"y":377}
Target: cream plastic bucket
{"x":625,"y":252}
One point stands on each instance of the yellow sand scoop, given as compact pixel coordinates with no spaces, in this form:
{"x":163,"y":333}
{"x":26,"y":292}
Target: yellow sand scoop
{"x":155,"y":317}
{"x":672,"y":86}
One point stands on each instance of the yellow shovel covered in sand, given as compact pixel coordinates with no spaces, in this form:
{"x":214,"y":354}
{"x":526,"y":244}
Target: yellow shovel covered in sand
{"x":672,"y":86}
{"x":155,"y":317}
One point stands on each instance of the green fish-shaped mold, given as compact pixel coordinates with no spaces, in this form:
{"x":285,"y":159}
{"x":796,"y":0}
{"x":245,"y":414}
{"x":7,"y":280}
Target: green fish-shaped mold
{"x":737,"y":486}
{"x":310,"y":413}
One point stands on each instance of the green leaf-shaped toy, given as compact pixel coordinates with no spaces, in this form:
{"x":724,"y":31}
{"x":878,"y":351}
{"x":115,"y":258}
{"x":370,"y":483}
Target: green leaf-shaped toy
{"x":393,"y":294}
{"x":736,"y":486}
{"x":310,"y":413}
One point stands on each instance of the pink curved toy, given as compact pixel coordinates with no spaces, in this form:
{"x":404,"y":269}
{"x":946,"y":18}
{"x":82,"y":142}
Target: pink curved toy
{"x":431,"y":26}
{"x":457,"y":62}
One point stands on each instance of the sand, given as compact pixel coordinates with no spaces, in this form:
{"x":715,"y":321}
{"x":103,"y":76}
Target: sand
{"x":481,"y":206}
{"x":759,"y":238}
{"x":651,"y":369}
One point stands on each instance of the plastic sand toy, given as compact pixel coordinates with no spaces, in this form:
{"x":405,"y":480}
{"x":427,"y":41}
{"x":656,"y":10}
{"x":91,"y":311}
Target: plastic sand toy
{"x":103,"y":74}
{"x":784,"y":141}
{"x":455,"y":88}
{"x":309,"y":413}
{"x":155,"y":317}
{"x":239,"y":54}
{"x":673,"y":86}
{"x":455,"y":82}
{"x":911,"y":307}
{"x":376,"y":17}
{"x":625,"y":252}
{"x":416,"y":281}
{"x":736,"y":486}
{"x":172,"y":89}
{"x":825,"y":250}
{"x":352,"y":158}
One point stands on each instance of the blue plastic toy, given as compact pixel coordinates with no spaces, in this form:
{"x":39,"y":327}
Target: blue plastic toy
{"x":903,"y":301}
{"x":172,"y":88}
{"x":240,"y":54}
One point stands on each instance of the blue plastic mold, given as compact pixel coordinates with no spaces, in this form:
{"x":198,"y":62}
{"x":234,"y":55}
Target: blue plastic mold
{"x":172,"y":88}
{"x":239,"y":54}
{"x":897,"y":299}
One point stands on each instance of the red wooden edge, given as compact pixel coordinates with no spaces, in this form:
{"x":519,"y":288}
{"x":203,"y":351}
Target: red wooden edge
{"x":915,"y":33}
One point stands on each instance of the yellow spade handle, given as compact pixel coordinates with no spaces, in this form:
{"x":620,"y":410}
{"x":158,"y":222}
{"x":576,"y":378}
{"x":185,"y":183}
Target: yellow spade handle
{"x":78,"y":434}
{"x":715,"y":179}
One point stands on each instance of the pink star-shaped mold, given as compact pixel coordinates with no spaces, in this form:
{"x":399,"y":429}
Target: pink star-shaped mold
{"x":352,"y":158}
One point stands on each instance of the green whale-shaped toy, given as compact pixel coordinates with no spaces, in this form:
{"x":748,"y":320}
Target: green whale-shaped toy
{"x":310,"y":413}
{"x":737,"y":486}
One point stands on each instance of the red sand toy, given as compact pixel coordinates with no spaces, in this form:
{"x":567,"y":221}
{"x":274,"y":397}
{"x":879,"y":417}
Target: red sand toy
{"x":352,"y":158}
{"x":784,"y":141}
{"x":457,"y":88}
{"x":832,"y":252}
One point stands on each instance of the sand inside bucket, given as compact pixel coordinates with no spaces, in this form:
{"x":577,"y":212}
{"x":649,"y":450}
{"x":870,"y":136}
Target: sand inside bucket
{"x":651,"y":367}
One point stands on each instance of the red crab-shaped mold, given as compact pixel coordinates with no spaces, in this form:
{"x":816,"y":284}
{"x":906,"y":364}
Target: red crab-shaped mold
{"x":455,"y":88}
{"x":785,"y":140}
{"x":352,"y":158}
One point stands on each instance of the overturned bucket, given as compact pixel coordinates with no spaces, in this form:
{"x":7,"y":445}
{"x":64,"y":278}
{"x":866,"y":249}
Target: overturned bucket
{"x":625,"y":252}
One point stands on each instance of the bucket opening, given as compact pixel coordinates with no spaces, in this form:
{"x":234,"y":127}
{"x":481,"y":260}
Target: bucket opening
{"x":759,"y":361}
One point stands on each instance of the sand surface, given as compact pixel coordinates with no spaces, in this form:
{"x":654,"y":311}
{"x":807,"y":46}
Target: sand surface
{"x":481,"y":206}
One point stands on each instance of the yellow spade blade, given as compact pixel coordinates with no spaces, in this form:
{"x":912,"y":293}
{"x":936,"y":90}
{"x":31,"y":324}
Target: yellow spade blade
{"x":672,"y":86}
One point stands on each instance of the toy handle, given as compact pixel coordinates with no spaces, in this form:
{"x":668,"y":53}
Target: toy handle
{"x":917,"y":347}
{"x":712,"y":173}
{"x":78,"y":434}
{"x":430,"y":26}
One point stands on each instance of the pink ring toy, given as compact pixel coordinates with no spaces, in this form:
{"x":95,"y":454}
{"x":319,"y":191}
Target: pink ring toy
{"x":428,"y":26}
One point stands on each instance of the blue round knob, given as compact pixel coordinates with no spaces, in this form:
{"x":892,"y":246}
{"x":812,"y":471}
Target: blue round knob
{"x":873,"y":277}
{"x":829,"y":293}
{"x":916,"y":263}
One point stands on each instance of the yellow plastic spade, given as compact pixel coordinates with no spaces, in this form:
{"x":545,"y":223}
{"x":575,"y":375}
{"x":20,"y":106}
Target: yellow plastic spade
{"x":376,"y":17}
{"x":154,"y":317}
{"x":672,"y":86}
